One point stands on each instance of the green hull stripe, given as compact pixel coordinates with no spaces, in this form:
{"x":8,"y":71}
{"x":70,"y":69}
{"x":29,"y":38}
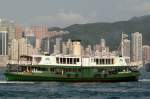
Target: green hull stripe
{"x":112,"y":78}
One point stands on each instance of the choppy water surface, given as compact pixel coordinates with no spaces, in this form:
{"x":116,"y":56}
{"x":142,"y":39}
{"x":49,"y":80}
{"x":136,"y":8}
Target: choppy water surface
{"x":57,"y":90}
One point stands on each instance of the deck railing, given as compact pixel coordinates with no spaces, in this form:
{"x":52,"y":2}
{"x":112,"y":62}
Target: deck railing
{"x":22,"y":62}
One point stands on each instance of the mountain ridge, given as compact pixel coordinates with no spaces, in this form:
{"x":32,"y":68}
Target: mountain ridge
{"x":91,"y":33}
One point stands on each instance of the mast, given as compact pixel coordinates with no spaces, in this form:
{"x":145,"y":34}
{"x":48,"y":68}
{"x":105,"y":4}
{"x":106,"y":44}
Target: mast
{"x":18,"y":56}
{"x":2,"y":45}
{"x":122,"y":44}
{"x":48,"y":46}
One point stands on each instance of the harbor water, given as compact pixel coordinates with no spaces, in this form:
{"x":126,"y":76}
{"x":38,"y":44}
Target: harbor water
{"x":62,"y":90}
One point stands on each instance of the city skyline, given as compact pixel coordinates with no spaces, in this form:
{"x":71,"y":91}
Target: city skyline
{"x":62,"y":13}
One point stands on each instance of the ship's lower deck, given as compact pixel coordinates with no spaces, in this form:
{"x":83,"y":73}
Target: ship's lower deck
{"x":34,"y":77}
{"x":72,"y":74}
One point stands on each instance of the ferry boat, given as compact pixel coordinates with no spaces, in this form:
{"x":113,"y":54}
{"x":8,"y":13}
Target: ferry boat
{"x":73,"y":67}
{"x":70,"y":68}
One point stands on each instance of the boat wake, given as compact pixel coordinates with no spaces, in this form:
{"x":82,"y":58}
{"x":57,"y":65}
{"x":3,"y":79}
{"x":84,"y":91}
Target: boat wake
{"x":15,"y":82}
{"x":144,"y":80}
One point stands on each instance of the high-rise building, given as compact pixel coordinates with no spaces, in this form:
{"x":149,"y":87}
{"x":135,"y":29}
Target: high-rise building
{"x":77,"y":48}
{"x":40,"y":32}
{"x":126,"y":47}
{"x":136,"y":45}
{"x":57,"y":46}
{"x":146,"y":53}
{"x":19,"y":32}
{"x":30,"y":36}
{"x":88,"y":50}
{"x":9,"y":26}
{"x":3,"y":42}
{"x":47,"y":45}
{"x":103,"y":44}
{"x":20,"y":47}
{"x":69,"y":47}
{"x":64,"y":48}
{"x":14,"y":49}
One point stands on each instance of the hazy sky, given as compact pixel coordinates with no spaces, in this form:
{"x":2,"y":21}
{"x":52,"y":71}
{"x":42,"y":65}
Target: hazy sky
{"x":66,"y":12}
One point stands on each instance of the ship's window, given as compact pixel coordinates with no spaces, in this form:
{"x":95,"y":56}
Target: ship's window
{"x":77,"y":59}
{"x":112,"y":61}
{"x":106,"y":61}
{"x":38,"y":59}
{"x":109,"y":61}
{"x":74,"y":60}
{"x":96,"y":61}
{"x":61,"y":60}
{"x":42,"y":69}
{"x":67,"y":60}
{"x":102,"y":61}
{"x":70,"y":60}
{"x":64,"y":60}
{"x":57,"y":60}
{"x":52,"y":69}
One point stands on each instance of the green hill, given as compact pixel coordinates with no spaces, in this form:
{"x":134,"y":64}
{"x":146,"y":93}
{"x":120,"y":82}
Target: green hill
{"x":92,"y":32}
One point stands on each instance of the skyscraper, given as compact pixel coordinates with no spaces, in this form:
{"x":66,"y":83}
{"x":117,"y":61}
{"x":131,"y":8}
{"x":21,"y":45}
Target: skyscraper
{"x":103,"y":44}
{"x":146,"y":53}
{"x":69,"y":47}
{"x":57,"y":46}
{"x":9,"y":26}
{"x":40,"y":32}
{"x":126,"y":47}
{"x":21,"y":47}
{"x":77,"y":48}
{"x":3,"y":42}
{"x":136,"y":47}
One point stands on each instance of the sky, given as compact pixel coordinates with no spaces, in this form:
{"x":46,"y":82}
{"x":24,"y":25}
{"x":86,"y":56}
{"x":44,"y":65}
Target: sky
{"x":63,"y":13}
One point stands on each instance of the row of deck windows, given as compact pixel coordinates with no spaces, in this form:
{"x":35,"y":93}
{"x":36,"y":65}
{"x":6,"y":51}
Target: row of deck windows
{"x":67,"y":60}
{"x":65,"y":70}
{"x":104,"y":61}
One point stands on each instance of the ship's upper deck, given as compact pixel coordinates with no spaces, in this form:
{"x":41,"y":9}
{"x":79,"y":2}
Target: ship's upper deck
{"x":70,"y":60}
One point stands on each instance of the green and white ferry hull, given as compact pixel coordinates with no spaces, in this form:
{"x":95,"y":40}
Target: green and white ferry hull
{"x":76,"y":74}
{"x":36,"y":77}
{"x":71,"y":69}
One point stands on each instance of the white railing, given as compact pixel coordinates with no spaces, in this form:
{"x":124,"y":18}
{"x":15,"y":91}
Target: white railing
{"x":19,"y":62}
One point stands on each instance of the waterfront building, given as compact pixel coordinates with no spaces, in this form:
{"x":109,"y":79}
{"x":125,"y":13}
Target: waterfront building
{"x":136,"y":44}
{"x":126,"y":47}
{"x":77,"y":49}
{"x":101,"y":49}
{"x":88,"y":50}
{"x":9,"y":26}
{"x":69,"y":46}
{"x":103,"y":43}
{"x":146,"y":53}
{"x":40,"y":32}
{"x":20,"y":47}
{"x":57,"y":46}
{"x":3,"y":42}
{"x":64,"y":48}
{"x":19,"y":31}
{"x":30,"y":36}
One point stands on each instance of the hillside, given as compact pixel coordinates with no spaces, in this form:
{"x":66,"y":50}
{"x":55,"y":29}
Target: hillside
{"x":92,"y":32}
